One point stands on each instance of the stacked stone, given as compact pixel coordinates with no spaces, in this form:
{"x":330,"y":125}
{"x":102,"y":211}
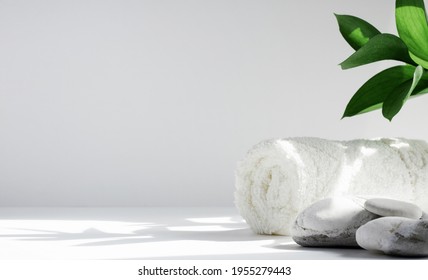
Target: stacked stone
{"x":381,"y":225}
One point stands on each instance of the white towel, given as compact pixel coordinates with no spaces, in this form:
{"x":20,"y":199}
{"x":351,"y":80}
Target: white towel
{"x":279,"y":178}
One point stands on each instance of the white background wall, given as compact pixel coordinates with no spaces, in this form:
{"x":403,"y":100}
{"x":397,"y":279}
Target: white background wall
{"x":142,"y":103}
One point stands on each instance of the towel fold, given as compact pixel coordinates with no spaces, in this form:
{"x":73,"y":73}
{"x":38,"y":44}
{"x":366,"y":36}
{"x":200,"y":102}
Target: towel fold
{"x":279,"y":178}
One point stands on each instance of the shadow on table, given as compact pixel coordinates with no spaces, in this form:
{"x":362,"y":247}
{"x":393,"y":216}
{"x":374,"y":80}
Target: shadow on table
{"x":230,"y":229}
{"x":334,"y":253}
{"x":203,"y":228}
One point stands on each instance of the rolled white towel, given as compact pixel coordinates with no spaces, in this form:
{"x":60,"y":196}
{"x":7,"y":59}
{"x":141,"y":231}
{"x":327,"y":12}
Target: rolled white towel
{"x":279,"y":178}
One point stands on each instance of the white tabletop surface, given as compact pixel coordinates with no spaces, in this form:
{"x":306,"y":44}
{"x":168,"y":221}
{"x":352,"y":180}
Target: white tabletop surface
{"x":146,"y":233}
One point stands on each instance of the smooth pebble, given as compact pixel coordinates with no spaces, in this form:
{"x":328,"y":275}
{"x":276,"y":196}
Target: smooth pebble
{"x":331,"y":222}
{"x":397,"y":236}
{"x":390,"y":207}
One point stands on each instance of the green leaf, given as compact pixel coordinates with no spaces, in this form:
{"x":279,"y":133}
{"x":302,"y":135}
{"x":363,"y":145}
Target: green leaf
{"x":419,"y":93}
{"x":421,"y":89}
{"x":419,"y":61}
{"x":380,"y":47}
{"x":371,"y":95}
{"x":412,"y":26}
{"x":396,"y":99}
{"x":356,"y":31}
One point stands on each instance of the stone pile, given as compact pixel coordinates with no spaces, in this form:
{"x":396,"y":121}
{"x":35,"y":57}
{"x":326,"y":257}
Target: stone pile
{"x":381,"y":225}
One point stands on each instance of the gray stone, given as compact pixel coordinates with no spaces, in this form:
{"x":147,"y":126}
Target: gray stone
{"x":424,"y":215}
{"x":395,"y":236}
{"x":390,"y":207}
{"x":330,"y":222}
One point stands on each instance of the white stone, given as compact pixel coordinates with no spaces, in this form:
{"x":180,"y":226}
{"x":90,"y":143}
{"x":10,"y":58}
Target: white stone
{"x":424,"y":215}
{"x":390,"y":207}
{"x":330,"y":222}
{"x":395,"y":236}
